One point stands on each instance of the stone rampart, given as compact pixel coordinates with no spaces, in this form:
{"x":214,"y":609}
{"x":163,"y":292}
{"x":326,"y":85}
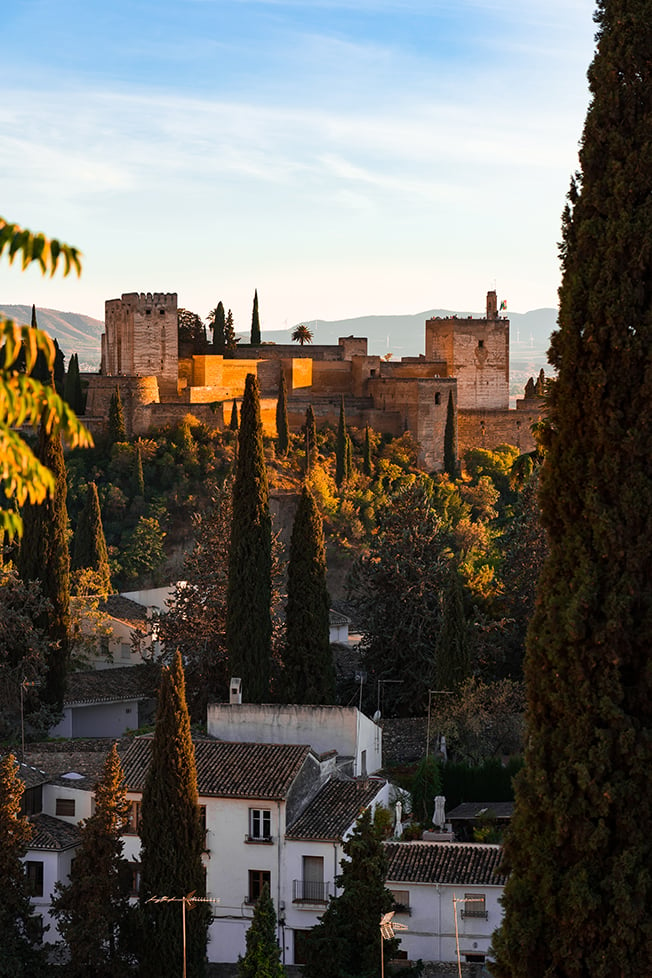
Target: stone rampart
{"x":488,"y":429}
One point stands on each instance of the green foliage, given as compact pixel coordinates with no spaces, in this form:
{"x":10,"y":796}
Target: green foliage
{"x":450,"y":453}
{"x":44,"y":557}
{"x":486,"y":782}
{"x":230,"y":339}
{"x":144,"y":555}
{"x":24,"y":648}
{"x":309,"y":675}
{"x":138,"y":475}
{"x":59,"y":372}
{"x":117,"y":429}
{"x":263,"y":955}
{"x":191,"y":331}
{"x":172,"y":840}
{"x":282,"y":424}
{"x":483,"y":720}
{"x":366,"y":464}
{"x":401,"y":589}
{"x":248,"y":623}
{"x":426,"y":785}
{"x":92,"y":910}
{"x":302,"y":334}
{"x":346,"y":941}
{"x":20,"y":957}
{"x":255,"y":322}
{"x":579,"y":898}
{"x":310,"y":439}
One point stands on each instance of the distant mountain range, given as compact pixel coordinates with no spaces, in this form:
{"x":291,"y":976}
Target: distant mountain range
{"x":402,"y":336}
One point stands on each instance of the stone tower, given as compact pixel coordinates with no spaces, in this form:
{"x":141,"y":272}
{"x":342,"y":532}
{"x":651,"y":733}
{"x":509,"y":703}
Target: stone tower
{"x":476,"y":352}
{"x":141,"y":338}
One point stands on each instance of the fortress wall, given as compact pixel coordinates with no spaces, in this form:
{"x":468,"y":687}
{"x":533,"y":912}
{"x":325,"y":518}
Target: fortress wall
{"x":416,"y":368}
{"x":422,"y":405}
{"x":206,"y":371}
{"x":134,"y":393}
{"x":353,"y":346}
{"x":362,"y":370}
{"x":329,"y":377}
{"x":487,"y":429}
{"x":477,"y":354}
{"x":288,"y":351}
{"x":439,"y":340}
{"x":298,"y":374}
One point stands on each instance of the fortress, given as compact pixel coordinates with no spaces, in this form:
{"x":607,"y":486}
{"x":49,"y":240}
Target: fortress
{"x":466,"y":359}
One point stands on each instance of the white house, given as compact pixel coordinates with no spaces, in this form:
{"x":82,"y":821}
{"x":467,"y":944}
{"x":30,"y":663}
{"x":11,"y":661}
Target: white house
{"x":343,"y":729}
{"x":107,"y":702}
{"x":435,"y":882}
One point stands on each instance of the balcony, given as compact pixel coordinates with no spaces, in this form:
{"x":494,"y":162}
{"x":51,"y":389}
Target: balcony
{"x":306,"y":891}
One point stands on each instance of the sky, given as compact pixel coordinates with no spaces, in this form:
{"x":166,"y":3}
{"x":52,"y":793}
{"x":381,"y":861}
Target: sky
{"x":343,"y":157}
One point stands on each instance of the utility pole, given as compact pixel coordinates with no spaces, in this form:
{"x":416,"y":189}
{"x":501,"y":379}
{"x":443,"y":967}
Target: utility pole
{"x":186,"y":901}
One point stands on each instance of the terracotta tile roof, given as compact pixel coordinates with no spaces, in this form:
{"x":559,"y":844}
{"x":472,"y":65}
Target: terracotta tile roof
{"x":334,"y":809}
{"x":444,"y":862}
{"x":470,"y":810}
{"x":228,"y":770}
{"x":124,"y":609}
{"x":32,"y":776}
{"x":112,"y":685}
{"x":53,"y":833}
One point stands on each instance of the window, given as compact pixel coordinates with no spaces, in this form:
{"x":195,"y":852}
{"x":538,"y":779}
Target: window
{"x":480,"y":344}
{"x":125,"y":650}
{"x":65,"y":806}
{"x":401,"y":900}
{"x":474,"y":905}
{"x":437,"y":398}
{"x":34,"y":873}
{"x":311,"y":889}
{"x":257,"y":880}
{"x":133,"y":819}
{"x":260,"y":824}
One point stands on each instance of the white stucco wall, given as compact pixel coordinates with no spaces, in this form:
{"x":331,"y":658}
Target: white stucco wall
{"x":97,"y":720}
{"x":324,"y":728}
{"x":56,"y":866}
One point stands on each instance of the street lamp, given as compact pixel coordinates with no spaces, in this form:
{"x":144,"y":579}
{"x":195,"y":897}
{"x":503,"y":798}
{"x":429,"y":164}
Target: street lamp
{"x":387,"y":927}
{"x":190,"y":900}
{"x":457,"y":900}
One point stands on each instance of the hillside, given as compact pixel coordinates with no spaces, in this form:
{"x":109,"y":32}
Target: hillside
{"x":74,"y":332}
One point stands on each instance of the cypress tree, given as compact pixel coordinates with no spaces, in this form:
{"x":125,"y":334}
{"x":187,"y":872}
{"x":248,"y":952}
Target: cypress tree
{"x":366,"y":463}
{"x":263,"y":956}
{"x":346,"y":941}
{"x":233,"y":423}
{"x":248,"y":621}
{"x":19,"y":956}
{"x":255,"y":322}
{"x":44,"y":557}
{"x":40,"y":370}
{"x":230,"y":339}
{"x":219,"y":330}
{"x":310,"y":436}
{"x":89,"y":542}
{"x":172,"y":839}
{"x":308,"y":662}
{"x":579,"y":899}
{"x":349,"y":457}
{"x":60,"y":372}
{"x":117,"y":427}
{"x":341,"y":448}
{"x":450,"y":455}
{"x":282,"y":424}
{"x":138,"y":476}
{"x":72,"y":391}
{"x":92,"y":910}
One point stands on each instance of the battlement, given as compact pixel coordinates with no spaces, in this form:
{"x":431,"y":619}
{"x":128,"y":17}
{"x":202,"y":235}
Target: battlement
{"x":143,"y":301}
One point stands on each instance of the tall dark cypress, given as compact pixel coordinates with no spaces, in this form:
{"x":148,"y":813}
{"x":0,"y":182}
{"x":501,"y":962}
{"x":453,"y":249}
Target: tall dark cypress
{"x":60,"y":372}
{"x":44,"y":557}
{"x":450,"y":453}
{"x":72,"y":390}
{"x":367,"y":467}
{"x":309,"y":674}
{"x":255,"y":322}
{"x":579,"y":899}
{"x":248,"y":622}
{"x":341,"y":456}
{"x":233,"y":423}
{"x":310,"y":438}
{"x":282,"y":424}
{"x":219,"y":334}
{"x":117,"y":427}
{"x":89,"y":548}
{"x":40,"y":370}
{"x":172,"y":839}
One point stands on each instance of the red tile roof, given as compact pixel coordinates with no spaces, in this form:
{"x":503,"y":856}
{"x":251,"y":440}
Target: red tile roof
{"x":444,"y":862}
{"x":53,"y":833}
{"x":334,"y":809}
{"x":228,"y":770}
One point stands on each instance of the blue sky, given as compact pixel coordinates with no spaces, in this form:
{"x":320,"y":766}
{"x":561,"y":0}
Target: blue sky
{"x":344,"y":157}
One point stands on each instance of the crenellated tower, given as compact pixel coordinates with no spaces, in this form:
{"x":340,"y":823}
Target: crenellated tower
{"x":141,"y":338}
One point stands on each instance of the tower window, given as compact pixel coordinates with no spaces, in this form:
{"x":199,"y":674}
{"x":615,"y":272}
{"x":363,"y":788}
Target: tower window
{"x":480,"y":344}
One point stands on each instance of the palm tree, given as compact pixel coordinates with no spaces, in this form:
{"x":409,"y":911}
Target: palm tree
{"x":302,"y":334}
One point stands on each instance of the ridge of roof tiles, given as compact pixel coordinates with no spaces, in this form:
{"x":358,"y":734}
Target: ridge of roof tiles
{"x":53,"y":833}
{"x":335,"y":807}
{"x":445,"y":862}
{"x":227,"y":769}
